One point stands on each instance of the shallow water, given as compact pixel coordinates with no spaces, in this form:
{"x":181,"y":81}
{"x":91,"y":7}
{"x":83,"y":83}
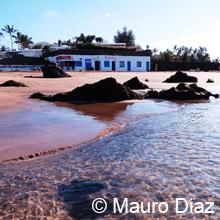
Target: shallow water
{"x":158,"y":157}
{"x":42,"y":126}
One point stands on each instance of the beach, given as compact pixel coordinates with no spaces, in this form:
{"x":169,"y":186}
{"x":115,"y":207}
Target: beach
{"x":53,"y":124}
{"x":147,"y":150}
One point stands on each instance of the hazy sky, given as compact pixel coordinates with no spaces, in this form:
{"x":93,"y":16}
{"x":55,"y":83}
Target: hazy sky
{"x":159,"y":23}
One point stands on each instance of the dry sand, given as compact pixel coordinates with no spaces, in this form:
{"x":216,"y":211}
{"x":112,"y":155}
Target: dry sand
{"x":12,"y":98}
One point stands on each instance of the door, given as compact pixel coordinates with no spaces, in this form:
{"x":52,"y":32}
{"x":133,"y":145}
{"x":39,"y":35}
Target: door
{"x":88,"y":64}
{"x":113,"y":65}
{"x":97,"y":65}
{"x":147,"y":66}
{"x":129,"y":65}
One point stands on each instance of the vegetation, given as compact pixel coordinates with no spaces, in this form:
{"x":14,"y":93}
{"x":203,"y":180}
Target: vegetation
{"x":182,"y":54}
{"x":82,"y":39}
{"x":3,"y":48}
{"x":1,"y":35}
{"x":23,"y":40}
{"x":37,"y":46}
{"x":99,"y":40}
{"x":10,"y":31}
{"x":125,"y":36}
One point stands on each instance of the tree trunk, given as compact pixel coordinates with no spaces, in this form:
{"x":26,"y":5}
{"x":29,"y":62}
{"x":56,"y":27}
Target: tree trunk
{"x":12,"y":49}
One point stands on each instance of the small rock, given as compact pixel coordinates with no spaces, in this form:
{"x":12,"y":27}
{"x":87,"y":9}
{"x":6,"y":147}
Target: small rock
{"x":12,"y":83}
{"x":180,"y":77}
{"x":135,"y":83}
{"x":210,"y":81}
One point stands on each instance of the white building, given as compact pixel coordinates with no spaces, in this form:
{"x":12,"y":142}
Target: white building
{"x":103,"y":60}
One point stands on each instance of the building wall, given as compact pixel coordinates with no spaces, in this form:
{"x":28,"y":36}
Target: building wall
{"x":119,"y":60}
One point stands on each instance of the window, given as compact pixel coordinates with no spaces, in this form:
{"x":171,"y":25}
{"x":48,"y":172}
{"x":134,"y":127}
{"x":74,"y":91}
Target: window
{"x":122,"y":64}
{"x":138,"y":63}
{"x":78,"y":63}
{"x":106,"y":63}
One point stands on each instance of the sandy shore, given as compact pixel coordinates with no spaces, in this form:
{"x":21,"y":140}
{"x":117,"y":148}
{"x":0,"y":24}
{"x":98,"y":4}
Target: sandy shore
{"x":55,"y":127}
{"x":12,"y":98}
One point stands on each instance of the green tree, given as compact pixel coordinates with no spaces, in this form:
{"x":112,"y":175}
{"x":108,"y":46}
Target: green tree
{"x":23,"y":40}
{"x":99,"y":40}
{"x":166,"y":56}
{"x":89,"y":39}
{"x":125,"y":36}
{"x":10,"y":31}
{"x":59,"y":42}
{"x":81,"y":39}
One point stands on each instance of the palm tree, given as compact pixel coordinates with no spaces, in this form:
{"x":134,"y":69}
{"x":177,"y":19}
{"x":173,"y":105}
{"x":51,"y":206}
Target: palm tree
{"x":10,"y":30}
{"x":23,"y":40}
{"x":1,"y":35}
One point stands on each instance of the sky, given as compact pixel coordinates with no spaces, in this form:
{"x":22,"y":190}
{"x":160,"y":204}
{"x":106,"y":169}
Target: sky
{"x":158,"y":23}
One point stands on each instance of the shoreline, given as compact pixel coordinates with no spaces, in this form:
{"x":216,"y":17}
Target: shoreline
{"x":102,"y":134}
{"x":102,"y":115}
{"x":115,"y":127}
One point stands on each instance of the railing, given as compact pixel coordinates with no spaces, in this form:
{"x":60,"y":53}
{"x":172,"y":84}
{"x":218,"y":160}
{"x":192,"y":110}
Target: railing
{"x":19,"y":67}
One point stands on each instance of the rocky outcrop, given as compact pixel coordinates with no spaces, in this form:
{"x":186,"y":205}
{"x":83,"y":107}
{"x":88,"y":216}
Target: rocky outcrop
{"x":53,"y":71}
{"x":135,"y":83}
{"x":146,"y":80}
{"x":152,"y":94}
{"x":180,"y":77}
{"x":181,"y":92}
{"x":107,"y":90}
{"x":210,"y":81}
{"x":12,"y":83}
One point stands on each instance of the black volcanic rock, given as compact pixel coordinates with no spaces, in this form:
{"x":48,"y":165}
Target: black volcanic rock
{"x":107,"y":90}
{"x":152,"y":94}
{"x":181,"y":92}
{"x":12,"y":83}
{"x":210,"y":81}
{"x":135,"y":83}
{"x":53,"y":71}
{"x":180,"y":77}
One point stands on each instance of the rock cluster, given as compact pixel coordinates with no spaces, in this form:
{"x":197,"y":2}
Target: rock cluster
{"x":180,"y":77}
{"x":107,"y":90}
{"x":181,"y":92}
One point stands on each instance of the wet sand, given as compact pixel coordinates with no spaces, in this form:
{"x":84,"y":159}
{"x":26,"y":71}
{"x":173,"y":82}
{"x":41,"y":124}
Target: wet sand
{"x":48,"y":128}
{"x":57,"y":126}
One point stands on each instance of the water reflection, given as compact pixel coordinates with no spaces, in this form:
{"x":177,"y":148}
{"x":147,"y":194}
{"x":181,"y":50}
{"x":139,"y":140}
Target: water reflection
{"x":59,"y":126}
{"x":156,"y":158}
